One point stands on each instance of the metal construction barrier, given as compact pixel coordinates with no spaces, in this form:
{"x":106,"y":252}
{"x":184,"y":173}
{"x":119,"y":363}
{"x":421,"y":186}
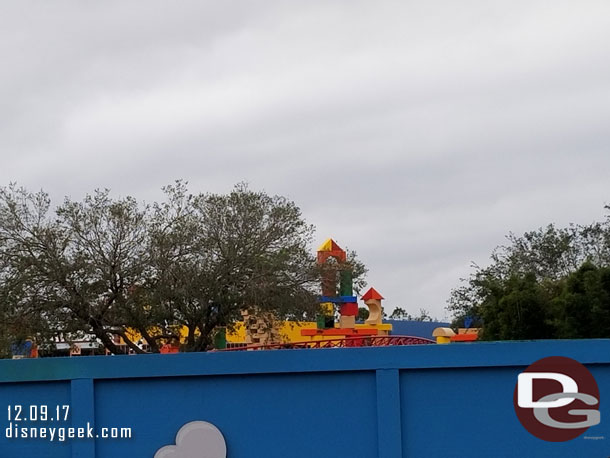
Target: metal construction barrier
{"x":453,"y":400}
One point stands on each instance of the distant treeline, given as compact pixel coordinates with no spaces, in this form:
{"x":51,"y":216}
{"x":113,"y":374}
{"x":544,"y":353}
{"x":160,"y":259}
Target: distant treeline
{"x":549,"y":283}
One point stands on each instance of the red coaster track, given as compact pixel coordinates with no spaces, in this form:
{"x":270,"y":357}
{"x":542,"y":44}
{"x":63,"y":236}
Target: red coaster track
{"x":365,"y":341}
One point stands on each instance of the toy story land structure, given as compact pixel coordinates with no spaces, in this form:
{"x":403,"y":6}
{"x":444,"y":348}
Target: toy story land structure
{"x":345,"y":301}
{"x":334,"y":327}
{"x":448,"y":335}
{"x":337,"y":300}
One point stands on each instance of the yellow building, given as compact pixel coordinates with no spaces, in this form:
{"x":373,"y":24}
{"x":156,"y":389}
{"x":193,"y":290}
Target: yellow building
{"x":288,"y":332}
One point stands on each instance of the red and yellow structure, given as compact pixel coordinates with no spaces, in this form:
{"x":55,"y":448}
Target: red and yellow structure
{"x":342,"y":299}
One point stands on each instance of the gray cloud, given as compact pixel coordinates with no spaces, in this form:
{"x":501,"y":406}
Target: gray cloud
{"x":417,"y":134}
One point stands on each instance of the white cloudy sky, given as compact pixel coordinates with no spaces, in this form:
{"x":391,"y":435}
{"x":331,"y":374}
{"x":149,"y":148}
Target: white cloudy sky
{"x":417,"y":133}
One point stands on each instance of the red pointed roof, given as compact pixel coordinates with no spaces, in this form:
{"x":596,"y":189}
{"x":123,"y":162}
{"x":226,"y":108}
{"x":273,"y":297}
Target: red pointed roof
{"x":372,"y":294}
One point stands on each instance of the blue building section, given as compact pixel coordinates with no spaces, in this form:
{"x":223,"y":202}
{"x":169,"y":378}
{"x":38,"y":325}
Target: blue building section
{"x":385,"y":402}
{"x":415,"y":328}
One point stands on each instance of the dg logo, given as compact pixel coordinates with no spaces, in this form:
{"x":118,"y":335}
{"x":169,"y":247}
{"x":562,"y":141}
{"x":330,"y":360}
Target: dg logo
{"x":557,"y":399}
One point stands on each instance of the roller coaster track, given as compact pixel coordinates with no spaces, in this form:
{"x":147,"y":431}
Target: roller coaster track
{"x":364,"y":341}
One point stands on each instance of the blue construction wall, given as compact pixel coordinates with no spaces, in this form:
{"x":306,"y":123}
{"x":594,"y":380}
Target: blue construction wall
{"x":415,"y":328}
{"x":422,"y":401}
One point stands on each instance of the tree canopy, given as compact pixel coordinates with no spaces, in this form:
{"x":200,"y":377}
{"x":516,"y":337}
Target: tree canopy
{"x":109,"y":266}
{"x":549,"y":283}
{"x":400,"y":313}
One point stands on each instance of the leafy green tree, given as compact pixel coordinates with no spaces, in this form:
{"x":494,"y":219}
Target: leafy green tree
{"x":363,"y":314}
{"x":71,"y":273}
{"x":216,"y":255}
{"x":401,"y":314}
{"x":107,"y":267}
{"x":583,"y":305}
{"x":516,"y":310}
{"x":539,"y":285}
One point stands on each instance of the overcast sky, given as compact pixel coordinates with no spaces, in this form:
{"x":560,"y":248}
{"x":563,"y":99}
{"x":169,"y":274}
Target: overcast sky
{"x":416,"y":133}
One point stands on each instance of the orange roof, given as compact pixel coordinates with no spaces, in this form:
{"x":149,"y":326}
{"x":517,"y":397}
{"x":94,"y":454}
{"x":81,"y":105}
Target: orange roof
{"x":464,"y":338}
{"x":372,"y":294}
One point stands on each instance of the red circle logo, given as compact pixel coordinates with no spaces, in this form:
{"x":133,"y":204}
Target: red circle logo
{"x":557,"y":399}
